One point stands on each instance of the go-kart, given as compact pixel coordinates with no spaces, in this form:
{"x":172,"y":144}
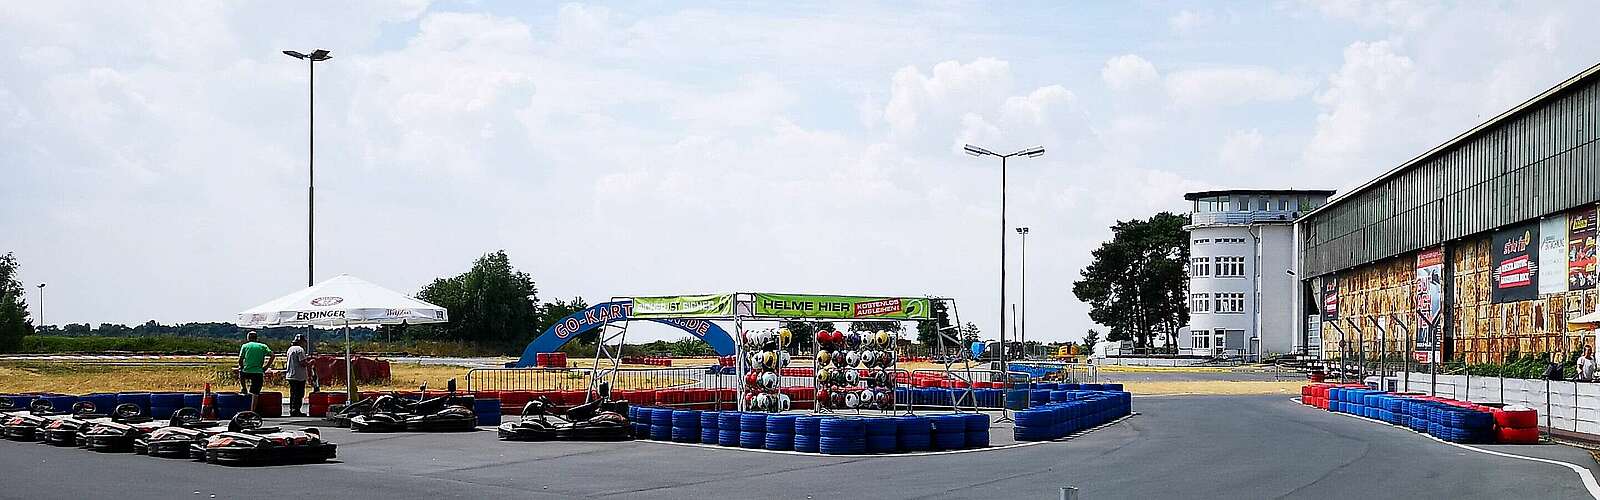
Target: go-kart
{"x":390,"y":413}
{"x":116,"y":434}
{"x":183,"y":437}
{"x":598,"y":420}
{"x":24,"y":426}
{"x":68,"y":430}
{"x":246,"y":442}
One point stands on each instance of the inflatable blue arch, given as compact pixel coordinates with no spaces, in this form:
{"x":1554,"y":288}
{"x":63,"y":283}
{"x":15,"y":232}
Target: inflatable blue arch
{"x":599,"y":314}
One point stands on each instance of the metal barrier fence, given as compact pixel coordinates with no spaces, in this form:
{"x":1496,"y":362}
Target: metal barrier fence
{"x":1058,"y":371}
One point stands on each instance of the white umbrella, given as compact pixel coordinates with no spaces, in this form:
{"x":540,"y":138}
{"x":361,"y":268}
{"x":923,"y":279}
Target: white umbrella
{"x":343,"y":301}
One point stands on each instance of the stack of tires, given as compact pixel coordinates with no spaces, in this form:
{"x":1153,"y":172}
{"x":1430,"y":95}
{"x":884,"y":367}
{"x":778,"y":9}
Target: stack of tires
{"x":842,"y":436}
{"x":728,"y":423}
{"x":807,"y":433}
{"x":780,"y":432}
{"x":685,"y":426}
{"x":1037,"y":424}
{"x":882,"y":434}
{"x":1460,"y":425}
{"x":661,"y":424}
{"x":977,"y":430}
{"x":639,"y":417}
{"x":752,"y":430}
{"x":914,"y":433}
{"x":949,"y":431}
{"x":1516,"y":425}
{"x":709,"y":421}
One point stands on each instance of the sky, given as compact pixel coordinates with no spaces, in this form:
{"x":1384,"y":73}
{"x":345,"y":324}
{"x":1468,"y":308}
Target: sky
{"x":153,"y":155}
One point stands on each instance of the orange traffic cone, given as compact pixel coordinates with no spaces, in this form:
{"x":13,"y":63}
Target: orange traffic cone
{"x":208,"y":404}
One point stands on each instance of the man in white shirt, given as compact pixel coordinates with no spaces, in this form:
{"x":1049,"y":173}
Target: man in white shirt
{"x":1586,"y":365}
{"x":295,"y":373}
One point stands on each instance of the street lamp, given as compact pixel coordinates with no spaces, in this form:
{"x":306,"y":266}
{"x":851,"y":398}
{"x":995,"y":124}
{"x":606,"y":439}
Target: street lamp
{"x":311,"y":60}
{"x":1033,"y":152}
{"x":41,"y":304}
{"x":1024,"y":232}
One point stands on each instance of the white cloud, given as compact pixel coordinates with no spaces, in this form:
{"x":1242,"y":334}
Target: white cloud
{"x":1230,"y":86}
{"x":1240,"y":149}
{"x":1127,"y":71}
{"x":1188,"y":21}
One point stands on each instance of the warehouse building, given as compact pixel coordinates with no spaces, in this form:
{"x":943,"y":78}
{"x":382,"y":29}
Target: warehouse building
{"x":1485,"y":243}
{"x":1241,"y":249}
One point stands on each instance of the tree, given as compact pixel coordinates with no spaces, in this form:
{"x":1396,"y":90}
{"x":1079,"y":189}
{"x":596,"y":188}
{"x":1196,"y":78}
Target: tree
{"x":492,"y":303}
{"x":970,"y":333}
{"x":14,"y":320}
{"x":1138,"y":282}
{"x":804,"y":331}
{"x":551,"y":312}
{"x":1089,"y":341}
{"x":928,"y":330}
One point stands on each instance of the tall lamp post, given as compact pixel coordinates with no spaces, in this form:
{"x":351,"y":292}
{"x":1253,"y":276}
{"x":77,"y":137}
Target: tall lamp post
{"x":1024,"y":232}
{"x":41,"y":305}
{"x":311,"y":60}
{"x":1033,"y":152}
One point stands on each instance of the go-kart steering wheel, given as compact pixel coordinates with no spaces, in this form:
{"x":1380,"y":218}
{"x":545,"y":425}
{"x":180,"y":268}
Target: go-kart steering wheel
{"x":83,"y":408}
{"x":244,"y":420}
{"x":185,"y":415}
{"x":41,"y":406}
{"x":126,"y":411}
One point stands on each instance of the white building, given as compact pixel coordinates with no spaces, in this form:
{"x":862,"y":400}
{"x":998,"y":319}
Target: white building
{"x":1243,"y":295}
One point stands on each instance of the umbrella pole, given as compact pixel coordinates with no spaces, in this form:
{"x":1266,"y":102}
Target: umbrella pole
{"x":349,"y":379}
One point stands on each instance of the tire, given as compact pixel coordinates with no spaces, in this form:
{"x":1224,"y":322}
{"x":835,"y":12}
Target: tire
{"x":807,"y":443}
{"x":913,"y":425}
{"x":1020,"y":433}
{"x":842,"y":428}
{"x":949,"y":440}
{"x":728,"y":438}
{"x":880,"y":426}
{"x":779,"y":441}
{"x":978,"y":439}
{"x":641,"y":430}
{"x":685,"y":434}
{"x":808,"y":424}
{"x":710,"y":420}
{"x":915,"y":441}
{"x":882,"y":443}
{"x":686,"y":418}
{"x":841,"y":446}
{"x":729,"y":420}
{"x":752,"y":439}
{"x":1034,"y":418}
{"x":708,"y":436}
{"x":661,"y":433}
{"x":781,"y":424}
{"x":753,"y":422}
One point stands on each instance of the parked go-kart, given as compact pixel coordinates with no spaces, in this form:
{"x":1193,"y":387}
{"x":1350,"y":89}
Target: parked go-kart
{"x":24,"y":426}
{"x":598,"y":420}
{"x":183,"y":437}
{"x":68,"y":431}
{"x":389,"y":413}
{"x":116,"y":434}
{"x":246,"y":442}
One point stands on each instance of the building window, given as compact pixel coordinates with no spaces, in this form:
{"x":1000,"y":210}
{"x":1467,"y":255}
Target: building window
{"x":1229,"y":303}
{"x":1199,"y":267}
{"x":1200,"y":340}
{"x":1283,"y":204}
{"x":1230,"y":267}
{"x":1199,"y":303}
{"x":1202,"y":241}
{"x":1261,"y":203}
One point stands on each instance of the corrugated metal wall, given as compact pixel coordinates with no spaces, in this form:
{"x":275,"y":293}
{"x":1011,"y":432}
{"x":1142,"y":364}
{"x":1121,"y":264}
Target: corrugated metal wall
{"x":1539,"y":162}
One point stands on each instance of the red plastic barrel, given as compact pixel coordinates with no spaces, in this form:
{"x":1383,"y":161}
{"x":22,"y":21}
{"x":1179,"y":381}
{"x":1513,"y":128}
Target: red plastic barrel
{"x":269,"y":404}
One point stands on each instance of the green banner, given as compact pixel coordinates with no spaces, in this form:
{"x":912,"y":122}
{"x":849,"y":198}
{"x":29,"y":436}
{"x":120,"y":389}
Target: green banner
{"x":683,"y":306}
{"x":839,"y":307}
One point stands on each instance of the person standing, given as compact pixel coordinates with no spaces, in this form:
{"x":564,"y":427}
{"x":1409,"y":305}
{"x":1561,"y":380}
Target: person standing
{"x":1586,"y":365}
{"x":295,"y":372}
{"x":254,"y":358}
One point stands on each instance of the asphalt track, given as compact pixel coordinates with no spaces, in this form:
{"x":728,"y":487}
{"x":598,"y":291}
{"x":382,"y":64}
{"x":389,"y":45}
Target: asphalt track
{"x":1178,"y":447}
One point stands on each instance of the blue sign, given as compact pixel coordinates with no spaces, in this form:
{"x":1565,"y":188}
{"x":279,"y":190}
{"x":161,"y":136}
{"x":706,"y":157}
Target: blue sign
{"x":599,"y":314}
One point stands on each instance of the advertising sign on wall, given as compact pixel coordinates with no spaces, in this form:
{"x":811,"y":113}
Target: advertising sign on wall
{"x":840,"y":307}
{"x":1553,"y":254}
{"x":1581,"y":249}
{"x":1429,"y":288}
{"x":1516,"y":257}
{"x":1330,"y":298}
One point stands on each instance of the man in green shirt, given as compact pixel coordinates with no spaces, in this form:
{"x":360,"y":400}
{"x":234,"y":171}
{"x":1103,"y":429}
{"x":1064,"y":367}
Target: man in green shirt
{"x":254,"y":358}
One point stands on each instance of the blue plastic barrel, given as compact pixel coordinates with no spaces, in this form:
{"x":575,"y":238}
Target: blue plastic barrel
{"x":487,"y":410}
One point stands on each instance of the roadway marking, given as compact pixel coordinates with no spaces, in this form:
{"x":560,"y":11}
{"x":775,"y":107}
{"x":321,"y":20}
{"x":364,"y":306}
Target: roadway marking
{"x":1589,"y":482}
{"x":900,"y":455}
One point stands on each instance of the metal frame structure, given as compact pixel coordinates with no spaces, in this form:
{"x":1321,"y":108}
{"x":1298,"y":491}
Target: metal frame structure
{"x":612,"y":356}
